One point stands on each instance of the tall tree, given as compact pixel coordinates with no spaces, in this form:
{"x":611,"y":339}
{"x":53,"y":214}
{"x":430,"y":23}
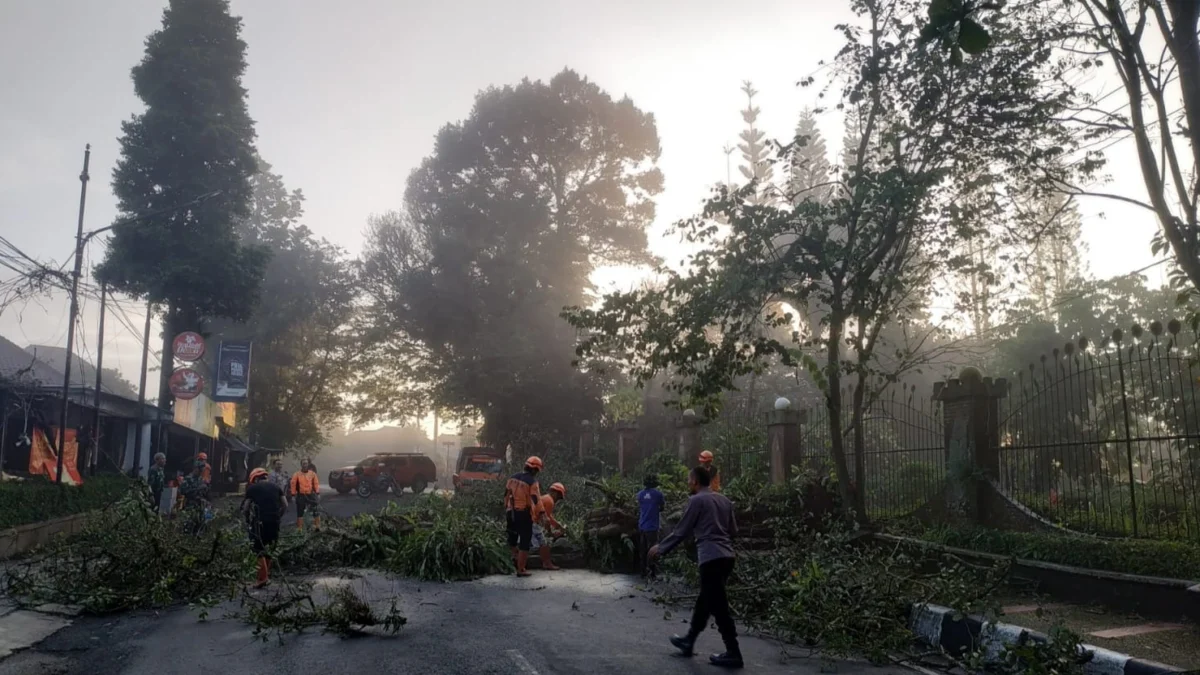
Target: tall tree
{"x":811,"y":172}
{"x":756,"y":154}
{"x":1152,"y":46}
{"x":185,"y":169}
{"x":502,"y":227}
{"x":304,"y":345}
{"x":870,"y":254}
{"x":1056,"y":264}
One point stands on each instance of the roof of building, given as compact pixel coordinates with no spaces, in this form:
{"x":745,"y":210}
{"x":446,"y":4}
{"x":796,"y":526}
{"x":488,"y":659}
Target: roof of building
{"x":83,"y":374}
{"x":22,"y":368}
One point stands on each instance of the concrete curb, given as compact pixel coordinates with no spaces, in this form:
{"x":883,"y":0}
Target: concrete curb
{"x":938,"y":626}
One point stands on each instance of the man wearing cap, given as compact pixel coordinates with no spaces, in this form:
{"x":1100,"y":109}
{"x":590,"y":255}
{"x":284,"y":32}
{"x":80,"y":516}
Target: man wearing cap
{"x":706,"y":461}
{"x":205,"y":475}
{"x":544,"y":520}
{"x":521,"y":497}
{"x":263,"y":507}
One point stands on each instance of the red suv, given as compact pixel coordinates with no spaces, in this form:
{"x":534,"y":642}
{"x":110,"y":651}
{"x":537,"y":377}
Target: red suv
{"x":344,"y":480}
{"x":396,"y":470}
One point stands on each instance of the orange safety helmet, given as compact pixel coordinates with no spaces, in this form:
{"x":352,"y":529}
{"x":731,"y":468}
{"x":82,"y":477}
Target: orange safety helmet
{"x":562,"y":490}
{"x":256,"y":474}
{"x":706,"y":457}
{"x":534,"y":463}
{"x":202,"y":456}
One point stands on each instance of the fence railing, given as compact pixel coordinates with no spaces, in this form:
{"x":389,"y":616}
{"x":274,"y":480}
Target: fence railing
{"x":1106,"y":438}
{"x":904,"y":455}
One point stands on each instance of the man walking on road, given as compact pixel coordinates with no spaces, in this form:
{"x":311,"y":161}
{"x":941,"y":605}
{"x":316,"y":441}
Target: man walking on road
{"x":709,"y":516}
{"x":307,"y":490}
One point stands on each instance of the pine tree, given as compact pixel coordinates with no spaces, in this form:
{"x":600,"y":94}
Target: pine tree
{"x":755,"y":151}
{"x":810,"y":170}
{"x":188,"y":158}
{"x":1055,"y":265}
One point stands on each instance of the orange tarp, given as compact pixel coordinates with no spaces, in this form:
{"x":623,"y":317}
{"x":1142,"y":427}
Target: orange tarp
{"x":43,"y":461}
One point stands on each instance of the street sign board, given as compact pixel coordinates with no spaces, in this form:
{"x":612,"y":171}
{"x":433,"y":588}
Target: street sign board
{"x":186,"y":384}
{"x":188,"y":346}
{"x":233,"y":371}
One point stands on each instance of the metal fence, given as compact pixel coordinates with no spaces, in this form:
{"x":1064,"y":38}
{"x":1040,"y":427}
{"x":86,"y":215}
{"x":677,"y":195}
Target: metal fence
{"x":904,"y":455}
{"x":1103,"y":438}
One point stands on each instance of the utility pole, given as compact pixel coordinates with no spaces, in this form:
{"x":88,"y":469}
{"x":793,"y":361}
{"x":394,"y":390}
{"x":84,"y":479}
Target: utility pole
{"x":141,"y":423}
{"x":99,"y":382}
{"x":74,"y":311}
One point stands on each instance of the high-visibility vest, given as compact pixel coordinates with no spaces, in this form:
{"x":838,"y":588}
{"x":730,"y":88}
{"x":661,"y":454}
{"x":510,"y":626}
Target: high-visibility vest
{"x":305,"y":483}
{"x":521,"y":492}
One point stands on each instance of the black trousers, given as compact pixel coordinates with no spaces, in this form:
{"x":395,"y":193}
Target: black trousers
{"x":520,"y":529}
{"x":646,"y":540}
{"x":713,"y":601}
{"x":263,"y":533}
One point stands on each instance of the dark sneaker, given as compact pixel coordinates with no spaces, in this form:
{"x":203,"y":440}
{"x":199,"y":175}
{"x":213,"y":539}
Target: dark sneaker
{"x":684,"y":644}
{"x":726,"y":660}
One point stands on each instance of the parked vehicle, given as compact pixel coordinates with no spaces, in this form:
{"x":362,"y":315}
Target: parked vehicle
{"x":344,"y":480}
{"x":394,"y":471}
{"x":478,"y":464}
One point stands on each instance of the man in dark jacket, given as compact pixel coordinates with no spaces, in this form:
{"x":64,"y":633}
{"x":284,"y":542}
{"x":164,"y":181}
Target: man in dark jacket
{"x":709,"y":517}
{"x":263,"y":507}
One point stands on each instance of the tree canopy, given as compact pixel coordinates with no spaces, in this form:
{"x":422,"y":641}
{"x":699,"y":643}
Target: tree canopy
{"x":501,"y":228}
{"x":871,"y":251}
{"x":304,"y":344}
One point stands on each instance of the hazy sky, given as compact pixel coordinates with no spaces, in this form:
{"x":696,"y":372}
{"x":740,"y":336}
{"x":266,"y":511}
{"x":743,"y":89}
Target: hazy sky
{"x":348,"y":96}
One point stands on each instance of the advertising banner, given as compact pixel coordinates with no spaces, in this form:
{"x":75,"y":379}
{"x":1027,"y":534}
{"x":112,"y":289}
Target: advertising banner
{"x":233,"y":371}
{"x":43,"y":461}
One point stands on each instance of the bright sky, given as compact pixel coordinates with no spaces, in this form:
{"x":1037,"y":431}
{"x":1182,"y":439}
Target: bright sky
{"x":348,"y":96}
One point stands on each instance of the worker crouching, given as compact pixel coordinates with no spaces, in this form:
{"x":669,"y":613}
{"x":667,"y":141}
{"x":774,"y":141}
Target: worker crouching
{"x":545,"y":522}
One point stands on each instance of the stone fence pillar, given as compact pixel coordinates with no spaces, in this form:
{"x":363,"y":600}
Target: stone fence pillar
{"x":688,"y":427}
{"x":626,"y":447}
{"x":971,"y":407}
{"x":586,"y":439}
{"x":783,"y":440}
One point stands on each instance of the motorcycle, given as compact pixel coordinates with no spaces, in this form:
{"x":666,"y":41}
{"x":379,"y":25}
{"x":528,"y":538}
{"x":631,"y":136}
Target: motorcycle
{"x":368,"y":486}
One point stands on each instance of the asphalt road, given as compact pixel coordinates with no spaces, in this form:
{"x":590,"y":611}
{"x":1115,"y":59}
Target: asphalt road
{"x":554,"y":623}
{"x":557,"y":623}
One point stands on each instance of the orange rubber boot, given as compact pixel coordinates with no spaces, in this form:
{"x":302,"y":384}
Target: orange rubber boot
{"x":264,"y":573}
{"x":522,"y":560}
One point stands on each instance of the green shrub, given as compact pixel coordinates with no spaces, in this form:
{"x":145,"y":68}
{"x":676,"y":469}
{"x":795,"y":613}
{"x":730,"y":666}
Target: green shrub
{"x":38,"y":499}
{"x":458,"y":544}
{"x":1175,"y":559}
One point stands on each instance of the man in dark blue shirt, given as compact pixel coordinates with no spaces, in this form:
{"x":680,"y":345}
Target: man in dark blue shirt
{"x":650,"y":505}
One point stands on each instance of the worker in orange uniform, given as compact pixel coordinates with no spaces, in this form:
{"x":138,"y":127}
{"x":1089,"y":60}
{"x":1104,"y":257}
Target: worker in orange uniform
{"x":307,"y":490}
{"x":545,"y":521}
{"x":706,"y":461}
{"x":206,"y":473}
{"x":521,"y":499}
